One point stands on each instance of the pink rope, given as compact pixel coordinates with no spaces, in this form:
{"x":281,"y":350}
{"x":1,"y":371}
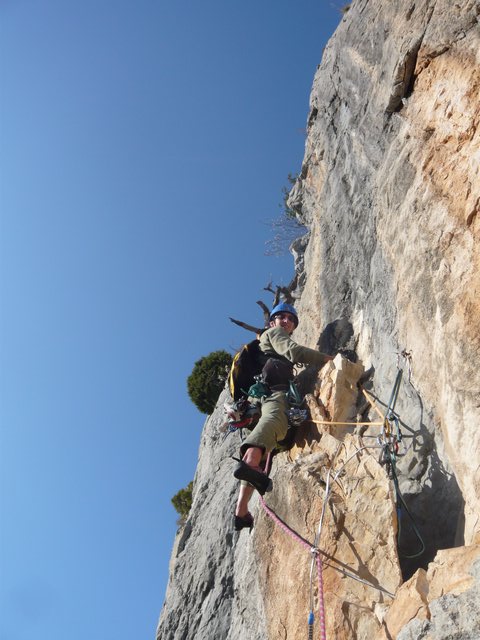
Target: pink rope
{"x":293,"y":534}
{"x":321,"y":602}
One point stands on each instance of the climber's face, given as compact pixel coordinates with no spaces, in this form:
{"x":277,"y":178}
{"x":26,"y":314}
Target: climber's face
{"x":284,"y":320}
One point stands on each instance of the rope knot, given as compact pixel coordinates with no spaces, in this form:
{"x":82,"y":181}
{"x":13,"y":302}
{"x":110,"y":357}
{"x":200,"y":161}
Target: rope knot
{"x":314,"y":551}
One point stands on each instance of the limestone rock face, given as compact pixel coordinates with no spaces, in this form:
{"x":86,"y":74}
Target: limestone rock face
{"x":263,"y":585}
{"x":211,"y":591}
{"x":390,"y":188}
{"x":388,"y":274}
{"x":357,"y":540}
{"x":446,"y":603}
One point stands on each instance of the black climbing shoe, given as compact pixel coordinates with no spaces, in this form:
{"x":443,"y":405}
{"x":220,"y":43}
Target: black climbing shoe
{"x":257,"y":479}
{"x":243,"y":522}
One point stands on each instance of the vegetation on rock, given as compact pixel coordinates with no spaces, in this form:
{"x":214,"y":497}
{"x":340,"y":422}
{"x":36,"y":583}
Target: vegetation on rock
{"x":182,"y":501}
{"x":288,"y":226}
{"x":208,"y":379}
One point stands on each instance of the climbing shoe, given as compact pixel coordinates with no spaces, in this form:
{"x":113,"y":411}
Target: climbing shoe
{"x":243,"y":522}
{"x":257,"y":479}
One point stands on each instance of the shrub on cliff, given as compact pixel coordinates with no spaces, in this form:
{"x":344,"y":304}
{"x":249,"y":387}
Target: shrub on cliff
{"x":208,"y":379}
{"x":182,"y":501}
{"x":288,"y":211}
{"x":288,"y":226}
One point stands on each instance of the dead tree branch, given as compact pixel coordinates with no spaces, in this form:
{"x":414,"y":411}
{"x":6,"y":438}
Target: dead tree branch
{"x":246,"y":326}
{"x":266,"y":311}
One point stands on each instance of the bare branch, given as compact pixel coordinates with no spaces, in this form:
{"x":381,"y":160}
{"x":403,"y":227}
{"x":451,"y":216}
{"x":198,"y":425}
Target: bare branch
{"x":286,"y":229}
{"x":278,"y":292}
{"x":266,"y":311}
{"x":277,"y":297}
{"x":246,"y":326}
{"x":287,"y":294}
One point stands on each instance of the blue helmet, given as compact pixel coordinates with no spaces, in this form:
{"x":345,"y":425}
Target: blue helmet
{"x":284,"y":307}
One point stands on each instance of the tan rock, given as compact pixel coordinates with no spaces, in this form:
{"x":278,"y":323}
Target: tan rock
{"x":411,"y":601}
{"x":338,"y":390}
{"x":450,"y":571}
{"x":453,"y":583}
{"x":445,"y":110}
{"x":392,"y":203}
{"x":357,"y":538}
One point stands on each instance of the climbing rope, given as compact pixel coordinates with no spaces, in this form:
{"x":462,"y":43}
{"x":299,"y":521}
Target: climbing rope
{"x":315,"y":551}
{"x":328,"y":485}
{"x":389,"y":443}
{"x":322,"y":515}
{"x":401,"y":503}
{"x":389,"y":440}
{"x":317,"y":557}
{"x":349,"y":424}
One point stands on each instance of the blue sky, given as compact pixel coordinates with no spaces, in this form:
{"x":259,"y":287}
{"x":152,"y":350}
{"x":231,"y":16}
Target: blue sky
{"x":144,"y":148}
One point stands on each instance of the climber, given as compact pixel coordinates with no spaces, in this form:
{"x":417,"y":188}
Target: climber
{"x":280,"y":353}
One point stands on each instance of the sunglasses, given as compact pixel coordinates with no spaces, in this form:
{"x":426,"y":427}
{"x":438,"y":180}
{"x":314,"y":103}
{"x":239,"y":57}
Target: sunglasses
{"x":285,"y":316}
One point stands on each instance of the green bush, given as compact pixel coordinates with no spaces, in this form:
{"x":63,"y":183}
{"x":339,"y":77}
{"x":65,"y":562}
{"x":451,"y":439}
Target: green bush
{"x":182,"y":501}
{"x":290,"y":212}
{"x":208,"y":379}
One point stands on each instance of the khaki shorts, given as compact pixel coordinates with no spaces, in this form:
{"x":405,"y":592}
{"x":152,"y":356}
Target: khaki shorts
{"x":272,"y":426}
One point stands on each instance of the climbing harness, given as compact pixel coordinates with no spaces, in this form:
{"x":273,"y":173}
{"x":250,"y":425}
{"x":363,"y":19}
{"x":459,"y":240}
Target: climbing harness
{"x":296,"y":415}
{"x":243,"y":414}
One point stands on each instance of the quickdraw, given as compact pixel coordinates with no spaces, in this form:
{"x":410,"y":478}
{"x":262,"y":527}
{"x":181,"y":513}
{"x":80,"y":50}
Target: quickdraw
{"x":391,"y":435}
{"x":389,"y":441}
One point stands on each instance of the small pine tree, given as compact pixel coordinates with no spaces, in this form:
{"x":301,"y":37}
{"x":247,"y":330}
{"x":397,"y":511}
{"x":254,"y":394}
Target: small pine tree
{"x":290,"y":212}
{"x":182,"y":501}
{"x":207,"y":380}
